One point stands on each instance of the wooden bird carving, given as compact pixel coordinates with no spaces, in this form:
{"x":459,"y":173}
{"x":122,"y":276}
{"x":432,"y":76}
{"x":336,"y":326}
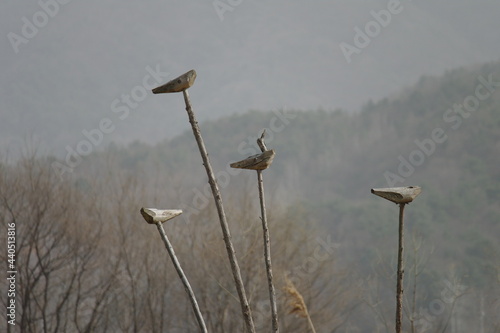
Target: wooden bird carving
{"x":153,"y":215}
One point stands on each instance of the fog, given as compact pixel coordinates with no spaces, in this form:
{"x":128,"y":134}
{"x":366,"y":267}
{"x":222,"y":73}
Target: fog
{"x":69,"y":65}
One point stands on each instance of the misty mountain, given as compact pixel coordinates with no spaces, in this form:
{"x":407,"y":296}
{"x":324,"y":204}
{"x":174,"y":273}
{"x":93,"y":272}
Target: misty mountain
{"x":68,"y":65}
{"x":442,"y":134}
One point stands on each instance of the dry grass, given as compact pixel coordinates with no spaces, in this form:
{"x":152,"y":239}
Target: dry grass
{"x":296,"y":303}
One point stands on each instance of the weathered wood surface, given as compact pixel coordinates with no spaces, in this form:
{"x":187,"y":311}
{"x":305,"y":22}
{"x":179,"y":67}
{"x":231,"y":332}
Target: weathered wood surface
{"x":398,"y":195}
{"x":153,"y":215}
{"x":256,"y":162}
{"x":178,"y":268}
{"x":235,"y":268}
{"x":178,"y":84}
{"x":400,"y":273}
{"x":267,"y":254}
{"x":261,"y":143}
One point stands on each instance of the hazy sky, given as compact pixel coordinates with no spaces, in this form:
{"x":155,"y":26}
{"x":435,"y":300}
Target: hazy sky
{"x":70,"y":67}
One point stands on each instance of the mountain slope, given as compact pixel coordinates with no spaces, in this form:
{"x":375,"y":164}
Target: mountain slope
{"x":327,"y":162}
{"x":442,"y":134}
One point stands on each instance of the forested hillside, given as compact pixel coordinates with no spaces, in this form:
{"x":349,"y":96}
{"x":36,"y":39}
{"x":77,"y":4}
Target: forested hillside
{"x":327,"y":162}
{"x":442,"y":134}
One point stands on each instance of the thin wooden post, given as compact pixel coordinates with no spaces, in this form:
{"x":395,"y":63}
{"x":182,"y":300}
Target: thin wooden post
{"x":267,"y":254}
{"x":400,"y":196}
{"x":400,"y":272}
{"x":259,"y":163}
{"x":187,"y":286}
{"x":240,"y":288}
{"x":182,"y":83}
{"x":157,"y":216}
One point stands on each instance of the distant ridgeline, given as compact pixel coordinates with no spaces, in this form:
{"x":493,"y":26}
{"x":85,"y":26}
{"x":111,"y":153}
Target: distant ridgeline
{"x":442,"y":134}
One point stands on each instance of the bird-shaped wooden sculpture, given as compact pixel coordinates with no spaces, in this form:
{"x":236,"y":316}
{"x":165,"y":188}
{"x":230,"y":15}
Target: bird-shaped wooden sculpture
{"x":178,"y":84}
{"x":153,"y":215}
{"x":398,"y":195}
{"x":260,"y":161}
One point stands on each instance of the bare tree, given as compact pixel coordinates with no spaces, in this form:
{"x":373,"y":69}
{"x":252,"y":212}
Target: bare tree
{"x":87,"y":264}
{"x":55,"y":252}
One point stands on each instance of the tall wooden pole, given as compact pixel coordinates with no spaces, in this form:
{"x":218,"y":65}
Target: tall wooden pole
{"x":159,"y":216}
{"x":400,"y":273}
{"x":185,"y":282}
{"x":245,"y":307}
{"x":400,"y":196}
{"x":267,"y":254}
{"x":259,"y":163}
{"x":182,"y":83}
